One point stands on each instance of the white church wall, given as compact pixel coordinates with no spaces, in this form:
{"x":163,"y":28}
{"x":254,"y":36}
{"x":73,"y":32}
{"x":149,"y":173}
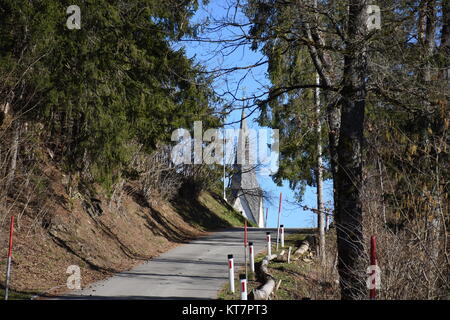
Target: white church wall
{"x":242,"y":206}
{"x":261,"y":214}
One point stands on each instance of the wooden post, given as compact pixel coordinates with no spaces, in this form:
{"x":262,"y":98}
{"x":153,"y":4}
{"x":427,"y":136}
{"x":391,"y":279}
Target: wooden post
{"x":269,"y":244}
{"x":278,"y":225}
{"x":282,"y":236}
{"x":8,"y":266}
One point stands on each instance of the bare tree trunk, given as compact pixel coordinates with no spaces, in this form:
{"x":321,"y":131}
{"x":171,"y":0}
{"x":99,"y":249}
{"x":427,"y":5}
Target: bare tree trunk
{"x":444,"y":75}
{"x":349,"y":182}
{"x":265,"y":291}
{"x":426,"y":34}
{"x":382,"y":190}
{"x":14,"y":152}
{"x":319,"y":177}
{"x":444,"y":48}
{"x":333,"y":113}
{"x":334,"y":125}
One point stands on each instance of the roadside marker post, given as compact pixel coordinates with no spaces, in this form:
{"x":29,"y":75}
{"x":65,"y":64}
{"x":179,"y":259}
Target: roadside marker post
{"x":269,"y":244}
{"x":8,"y":266}
{"x":245,"y":247}
{"x":243,"y":280}
{"x":282,"y":236}
{"x":231,"y":272}
{"x":252,"y":256}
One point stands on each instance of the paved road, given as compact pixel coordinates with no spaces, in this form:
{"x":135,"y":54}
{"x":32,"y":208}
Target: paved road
{"x":196,"y":270}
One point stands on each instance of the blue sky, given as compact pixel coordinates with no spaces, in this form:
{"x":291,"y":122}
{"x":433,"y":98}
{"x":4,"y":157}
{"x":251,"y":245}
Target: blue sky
{"x":247,"y":83}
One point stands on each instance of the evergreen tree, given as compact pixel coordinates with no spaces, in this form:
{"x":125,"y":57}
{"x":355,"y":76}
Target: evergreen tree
{"x":103,"y":88}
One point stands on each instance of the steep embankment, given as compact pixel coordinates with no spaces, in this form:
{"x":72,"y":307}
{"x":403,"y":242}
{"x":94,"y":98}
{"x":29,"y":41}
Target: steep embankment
{"x":100,"y":237}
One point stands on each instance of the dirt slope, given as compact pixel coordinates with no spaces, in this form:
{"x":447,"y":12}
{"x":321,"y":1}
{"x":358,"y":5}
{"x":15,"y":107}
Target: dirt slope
{"x":101,"y":238}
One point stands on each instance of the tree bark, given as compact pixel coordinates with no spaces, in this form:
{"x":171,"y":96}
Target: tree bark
{"x":334,"y":126}
{"x":349,"y":175}
{"x":14,"y":152}
{"x":319,"y":177}
{"x":304,"y":247}
{"x":323,"y":65}
{"x":444,"y":48}
{"x":426,"y":35}
{"x":269,"y":281}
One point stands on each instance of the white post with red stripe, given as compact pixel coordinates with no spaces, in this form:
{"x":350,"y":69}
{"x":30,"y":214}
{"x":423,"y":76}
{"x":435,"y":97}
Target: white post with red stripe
{"x":8,"y":267}
{"x":245,"y":246}
{"x":231,"y":272}
{"x":269,"y":244}
{"x":243,"y":286}
{"x":282,"y":236}
{"x":252,"y":256}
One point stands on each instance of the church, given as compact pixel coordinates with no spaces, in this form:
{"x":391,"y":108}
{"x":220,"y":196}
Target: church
{"x":247,"y":195}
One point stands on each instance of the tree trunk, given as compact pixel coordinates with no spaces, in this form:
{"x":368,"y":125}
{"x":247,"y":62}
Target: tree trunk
{"x":444,"y":48}
{"x":264,"y":292}
{"x":14,"y":152}
{"x":323,"y":65}
{"x":426,"y":35}
{"x":349,"y":182}
{"x":334,"y":125}
{"x":319,"y":177}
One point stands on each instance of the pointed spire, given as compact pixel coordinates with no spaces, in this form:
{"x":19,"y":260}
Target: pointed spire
{"x":243,"y":125}
{"x":243,"y":147}
{"x":247,"y":194}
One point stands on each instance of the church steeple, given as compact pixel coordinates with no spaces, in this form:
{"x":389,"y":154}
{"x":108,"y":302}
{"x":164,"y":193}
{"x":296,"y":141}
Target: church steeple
{"x":243,"y":151}
{"x":247,"y":195}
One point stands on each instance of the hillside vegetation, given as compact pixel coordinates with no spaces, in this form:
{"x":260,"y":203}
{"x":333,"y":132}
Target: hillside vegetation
{"x":86,"y":119}
{"x":88,"y":230}
{"x":91,"y":112}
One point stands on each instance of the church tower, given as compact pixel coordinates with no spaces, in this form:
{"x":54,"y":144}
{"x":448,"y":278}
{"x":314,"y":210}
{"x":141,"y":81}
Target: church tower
{"x":247,"y":195}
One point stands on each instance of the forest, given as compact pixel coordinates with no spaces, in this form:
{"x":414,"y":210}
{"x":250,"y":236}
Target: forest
{"x":358,"y":89}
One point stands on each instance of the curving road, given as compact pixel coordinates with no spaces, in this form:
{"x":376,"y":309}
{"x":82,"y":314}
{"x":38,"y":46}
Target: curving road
{"x":196,"y":270}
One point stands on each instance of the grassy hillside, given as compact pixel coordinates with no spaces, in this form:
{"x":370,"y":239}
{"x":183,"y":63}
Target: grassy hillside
{"x":100,"y":237}
{"x":209,"y":212}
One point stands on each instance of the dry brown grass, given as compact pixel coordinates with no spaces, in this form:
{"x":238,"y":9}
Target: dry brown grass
{"x":56,"y":228}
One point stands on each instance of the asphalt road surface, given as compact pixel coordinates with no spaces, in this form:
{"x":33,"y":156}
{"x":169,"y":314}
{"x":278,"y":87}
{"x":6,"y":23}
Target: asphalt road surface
{"x":196,"y":270}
